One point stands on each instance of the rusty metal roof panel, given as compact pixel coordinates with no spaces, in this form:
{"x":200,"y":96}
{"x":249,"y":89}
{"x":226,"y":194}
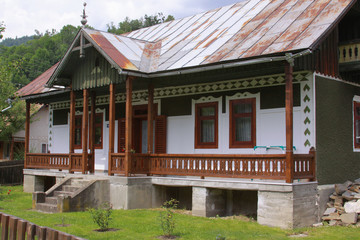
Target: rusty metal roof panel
{"x":246,"y":29}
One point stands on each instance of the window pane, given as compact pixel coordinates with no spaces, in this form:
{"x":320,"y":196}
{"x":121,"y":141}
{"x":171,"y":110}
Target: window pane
{"x":77,"y":136}
{"x":78,"y":121}
{"x":207,"y":131}
{"x":243,"y":129}
{"x":207,"y":111}
{"x":98,"y":135}
{"x":98,"y":119}
{"x":242,"y":108}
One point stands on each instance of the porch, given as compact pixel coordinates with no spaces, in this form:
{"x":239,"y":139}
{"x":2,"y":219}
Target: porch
{"x":250,"y":166}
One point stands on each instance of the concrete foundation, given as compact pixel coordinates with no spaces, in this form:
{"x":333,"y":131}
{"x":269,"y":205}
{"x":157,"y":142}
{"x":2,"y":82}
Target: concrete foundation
{"x":273,"y":203}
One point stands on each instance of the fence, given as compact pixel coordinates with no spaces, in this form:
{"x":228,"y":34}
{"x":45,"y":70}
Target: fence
{"x":11,"y":172}
{"x":13,"y":228}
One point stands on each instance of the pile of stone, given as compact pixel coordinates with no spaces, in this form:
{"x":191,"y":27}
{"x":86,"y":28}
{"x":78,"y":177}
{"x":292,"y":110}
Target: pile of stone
{"x":344,"y":205}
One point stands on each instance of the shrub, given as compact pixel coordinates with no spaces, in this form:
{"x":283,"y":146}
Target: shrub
{"x":167,"y":220}
{"x":102,"y":215}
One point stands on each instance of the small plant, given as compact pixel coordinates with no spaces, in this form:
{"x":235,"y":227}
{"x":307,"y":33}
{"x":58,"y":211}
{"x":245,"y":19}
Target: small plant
{"x":167,"y":220}
{"x":220,"y":237}
{"x":102,"y":215}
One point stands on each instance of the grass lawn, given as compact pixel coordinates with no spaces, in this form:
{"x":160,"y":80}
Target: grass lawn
{"x":144,"y":224}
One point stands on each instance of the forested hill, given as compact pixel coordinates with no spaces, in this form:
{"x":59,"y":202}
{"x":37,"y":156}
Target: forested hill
{"x":36,"y":55}
{"x":9,"y":42}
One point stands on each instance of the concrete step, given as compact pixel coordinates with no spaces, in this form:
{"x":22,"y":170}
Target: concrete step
{"x":51,"y":200}
{"x":57,"y":193}
{"x":79,"y":182}
{"x":70,"y":188}
{"x":45,"y":207}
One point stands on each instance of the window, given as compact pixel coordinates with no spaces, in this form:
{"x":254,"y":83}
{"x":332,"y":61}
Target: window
{"x":98,"y":131}
{"x":242,"y":123}
{"x":206,"y":125}
{"x":43,"y":148}
{"x":357,"y":125}
{"x":78,"y":125}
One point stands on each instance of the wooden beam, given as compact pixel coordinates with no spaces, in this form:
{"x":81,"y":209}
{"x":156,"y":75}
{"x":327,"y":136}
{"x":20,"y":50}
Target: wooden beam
{"x":92,"y":131}
{"x":150,"y":119}
{"x":72,"y":122}
{"x":85,"y":128}
{"x":72,"y":128}
{"x":128,"y":126}
{"x":111,"y":126}
{"x":289,"y":122}
{"x":27,"y":132}
{"x":87,"y":45}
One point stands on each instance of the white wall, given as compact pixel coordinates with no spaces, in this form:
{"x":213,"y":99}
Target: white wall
{"x":38,"y":130}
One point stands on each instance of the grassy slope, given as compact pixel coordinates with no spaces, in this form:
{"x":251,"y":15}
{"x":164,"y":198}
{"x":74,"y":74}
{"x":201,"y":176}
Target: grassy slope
{"x":144,"y":224}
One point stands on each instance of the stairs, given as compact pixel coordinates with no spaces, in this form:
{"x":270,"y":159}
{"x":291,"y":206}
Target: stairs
{"x":52,"y":200}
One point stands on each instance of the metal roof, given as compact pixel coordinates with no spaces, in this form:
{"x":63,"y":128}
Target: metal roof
{"x":38,"y":84}
{"x":246,"y":29}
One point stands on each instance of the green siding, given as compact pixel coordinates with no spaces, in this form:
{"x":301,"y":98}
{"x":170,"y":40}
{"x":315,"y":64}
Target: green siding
{"x":336,"y":160}
{"x":93,"y":73}
{"x":270,"y":97}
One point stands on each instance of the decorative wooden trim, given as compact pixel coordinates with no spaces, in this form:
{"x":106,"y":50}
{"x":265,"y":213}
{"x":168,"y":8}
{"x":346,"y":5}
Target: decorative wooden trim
{"x":232,"y":129}
{"x":356,"y":117}
{"x":195,"y":89}
{"x":111,"y":124}
{"x":85,"y":129}
{"x":199,"y":118}
{"x":78,"y":146}
{"x":289,"y":122}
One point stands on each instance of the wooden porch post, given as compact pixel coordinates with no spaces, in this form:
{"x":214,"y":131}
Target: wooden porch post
{"x":71,"y":128}
{"x":11,"y":157}
{"x":85,"y":127}
{"x":27,"y":132}
{"x":92,"y":132}
{"x":128,"y":126}
{"x":111,"y":125}
{"x":150,"y":119}
{"x":289,"y":121}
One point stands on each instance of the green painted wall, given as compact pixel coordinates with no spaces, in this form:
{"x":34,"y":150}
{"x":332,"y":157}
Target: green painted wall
{"x":336,"y":160}
{"x":94,"y":71}
{"x":270,"y":97}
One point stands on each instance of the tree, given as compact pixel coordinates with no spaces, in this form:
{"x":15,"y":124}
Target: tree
{"x":13,"y":118}
{"x":129,"y":25}
{"x":2,"y":29}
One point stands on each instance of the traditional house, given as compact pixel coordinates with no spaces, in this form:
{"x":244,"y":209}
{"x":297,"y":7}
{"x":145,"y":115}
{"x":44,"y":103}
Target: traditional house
{"x":226,"y":110}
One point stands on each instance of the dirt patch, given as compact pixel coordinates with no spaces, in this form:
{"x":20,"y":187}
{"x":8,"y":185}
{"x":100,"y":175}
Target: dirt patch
{"x":62,"y":225}
{"x":107,"y":230}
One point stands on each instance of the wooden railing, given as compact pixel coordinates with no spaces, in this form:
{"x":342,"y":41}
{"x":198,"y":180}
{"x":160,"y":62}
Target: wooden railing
{"x":267,"y":166}
{"x":15,"y":228}
{"x":259,"y":166}
{"x":349,"y":52}
{"x":71,"y":162}
{"x":305,"y":166}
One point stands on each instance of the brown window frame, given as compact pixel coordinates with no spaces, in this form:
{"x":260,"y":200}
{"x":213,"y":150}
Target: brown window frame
{"x":356,"y":117}
{"x":232,"y":117}
{"x":101,"y":124}
{"x":96,"y":146}
{"x":198,"y":119}
{"x":78,"y":146}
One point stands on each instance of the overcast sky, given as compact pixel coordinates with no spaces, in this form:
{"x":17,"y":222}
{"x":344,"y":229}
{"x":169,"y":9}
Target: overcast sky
{"x":22,"y":17}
